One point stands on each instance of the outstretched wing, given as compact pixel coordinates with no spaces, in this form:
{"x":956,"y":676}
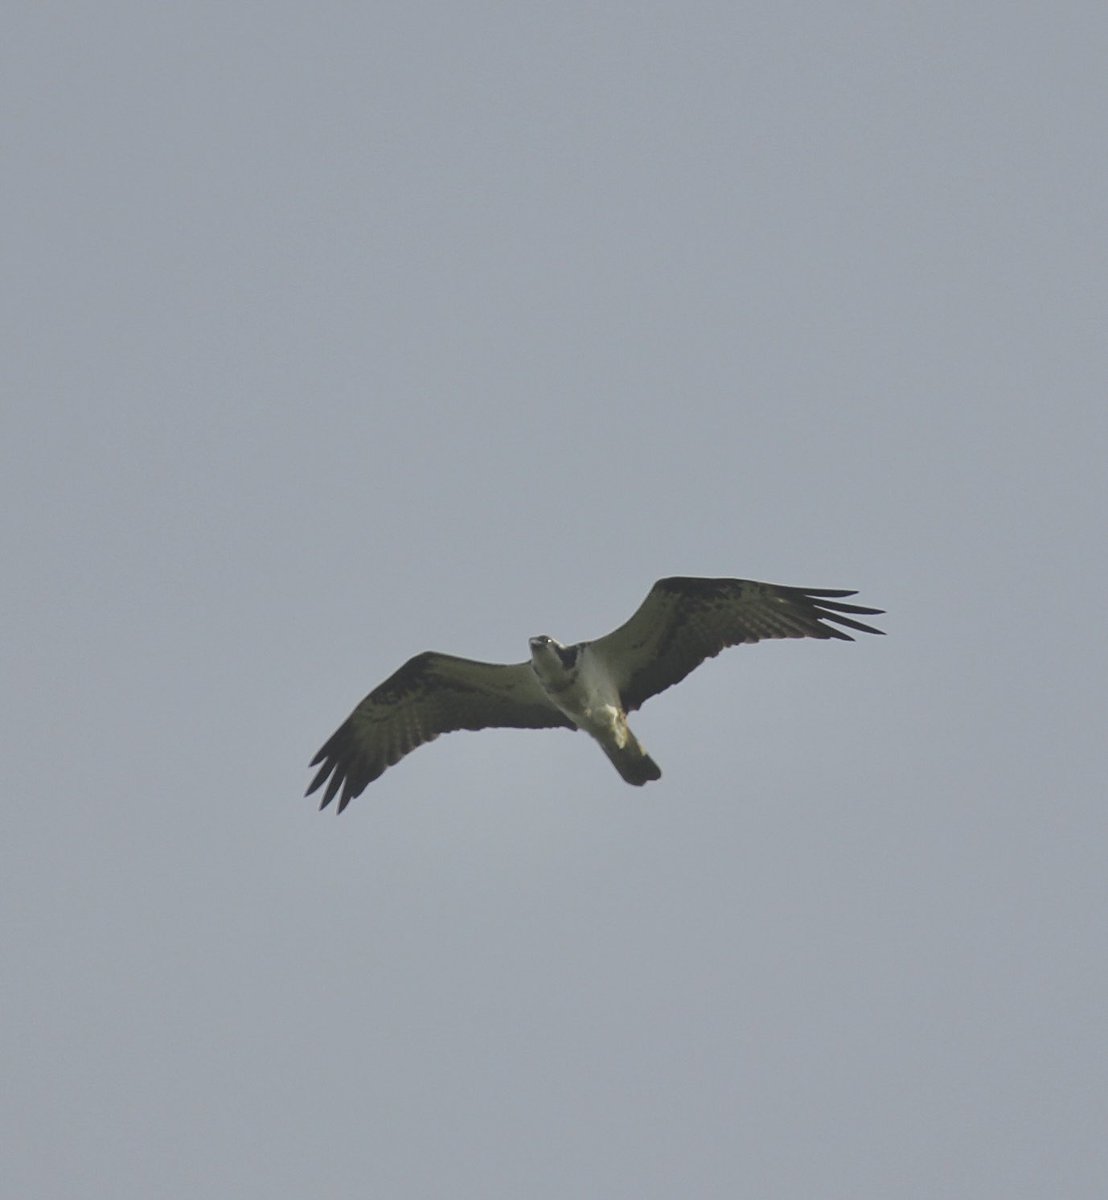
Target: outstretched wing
{"x":684,"y":621}
{"x":430,"y":694}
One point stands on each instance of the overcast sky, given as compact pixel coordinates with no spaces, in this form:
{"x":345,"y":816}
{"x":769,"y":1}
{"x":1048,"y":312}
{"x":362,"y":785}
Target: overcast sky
{"x":339,"y":332}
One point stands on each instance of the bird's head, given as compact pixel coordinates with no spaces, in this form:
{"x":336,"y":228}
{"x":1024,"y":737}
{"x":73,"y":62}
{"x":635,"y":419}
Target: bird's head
{"x":548,"y":650}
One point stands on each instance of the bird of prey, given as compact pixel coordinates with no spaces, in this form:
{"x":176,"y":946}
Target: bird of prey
{"x":590,"y":686}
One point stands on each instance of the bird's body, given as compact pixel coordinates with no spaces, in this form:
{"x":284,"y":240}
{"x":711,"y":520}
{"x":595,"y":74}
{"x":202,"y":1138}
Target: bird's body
{"x":590,"y":686}
{"x":580,"y":685}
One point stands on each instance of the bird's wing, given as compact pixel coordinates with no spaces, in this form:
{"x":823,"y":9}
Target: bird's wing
{"x":683,"y":621}
{"x":430,"y":694}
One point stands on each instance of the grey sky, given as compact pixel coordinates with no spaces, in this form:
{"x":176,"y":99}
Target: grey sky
{"x":337,"y":332}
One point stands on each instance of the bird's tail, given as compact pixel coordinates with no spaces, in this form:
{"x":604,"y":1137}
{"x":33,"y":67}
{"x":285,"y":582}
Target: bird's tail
{"x":632,"y":761}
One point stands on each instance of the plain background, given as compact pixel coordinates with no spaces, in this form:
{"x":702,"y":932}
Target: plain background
{"x":337,"y":332}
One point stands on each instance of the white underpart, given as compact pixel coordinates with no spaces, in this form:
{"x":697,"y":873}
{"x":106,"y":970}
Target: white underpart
{"x":592,"y":703}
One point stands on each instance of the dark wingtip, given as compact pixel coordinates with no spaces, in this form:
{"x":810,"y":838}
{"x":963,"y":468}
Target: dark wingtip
{"x":828,"y":606}
{"x":851,"y":624}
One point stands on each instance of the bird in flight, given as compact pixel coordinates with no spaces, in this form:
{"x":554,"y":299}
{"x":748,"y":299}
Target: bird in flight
{"x":590,"y":686}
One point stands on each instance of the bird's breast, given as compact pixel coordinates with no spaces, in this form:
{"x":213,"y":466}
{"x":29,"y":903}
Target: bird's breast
{"x":584,"y":693}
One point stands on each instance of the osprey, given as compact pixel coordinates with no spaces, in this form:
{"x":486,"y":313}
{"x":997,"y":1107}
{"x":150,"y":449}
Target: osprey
{"x":590,"y":686}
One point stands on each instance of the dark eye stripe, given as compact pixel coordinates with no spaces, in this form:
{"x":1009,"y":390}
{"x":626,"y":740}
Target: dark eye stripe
{"x":568,"y":655}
